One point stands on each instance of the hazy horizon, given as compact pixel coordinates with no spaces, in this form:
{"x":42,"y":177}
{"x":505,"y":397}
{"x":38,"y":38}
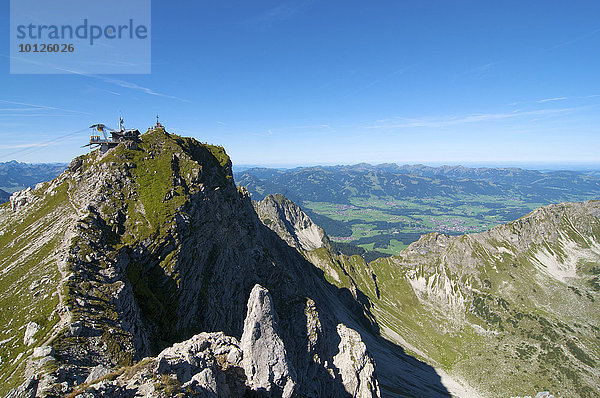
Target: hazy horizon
{"x":520,"y":165}
{"x":573,"y":166}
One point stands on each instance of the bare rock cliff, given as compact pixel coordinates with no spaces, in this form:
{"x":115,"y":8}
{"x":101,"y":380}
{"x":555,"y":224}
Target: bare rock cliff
{"x":292,"y":225}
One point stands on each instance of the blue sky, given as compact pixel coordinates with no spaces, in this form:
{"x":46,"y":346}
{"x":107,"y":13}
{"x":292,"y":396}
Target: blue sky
{"x":338,"y":82}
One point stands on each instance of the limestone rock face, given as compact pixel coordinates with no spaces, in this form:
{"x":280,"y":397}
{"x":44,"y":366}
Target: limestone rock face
{"x":292,"y":225}
{"x":97,"y":373}
{"x":356,"y":367}
{"x":208,"y":363}
{"x":533,"y":283}
{"x":265,"y":359}
{"x":30,"y":332}
{"x":20,"y":199}
{"x":216,"y":365}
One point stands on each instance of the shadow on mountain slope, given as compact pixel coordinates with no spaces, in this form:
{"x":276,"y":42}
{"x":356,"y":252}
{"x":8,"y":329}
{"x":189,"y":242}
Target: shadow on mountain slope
{"x":399,"y":374}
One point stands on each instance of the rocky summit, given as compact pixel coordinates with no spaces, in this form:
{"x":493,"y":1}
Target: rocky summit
{"x":145,"y":272}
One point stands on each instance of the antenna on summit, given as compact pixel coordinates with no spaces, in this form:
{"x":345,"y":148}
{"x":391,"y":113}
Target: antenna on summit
{"x":157,"y":122}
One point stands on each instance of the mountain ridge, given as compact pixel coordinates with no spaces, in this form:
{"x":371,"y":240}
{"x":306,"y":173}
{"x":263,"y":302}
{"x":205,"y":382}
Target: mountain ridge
{"x":129,"y":252}
{"x":449,"y":298}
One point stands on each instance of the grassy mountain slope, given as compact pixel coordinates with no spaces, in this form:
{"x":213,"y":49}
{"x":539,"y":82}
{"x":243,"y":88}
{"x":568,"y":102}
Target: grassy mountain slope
{"x":513,"y":311}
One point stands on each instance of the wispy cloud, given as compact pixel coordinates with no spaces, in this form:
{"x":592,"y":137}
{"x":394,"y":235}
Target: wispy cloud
{"x":111,"y":64}
{"x":107,"y":91}
{"x":464,"y":119}
{"x":305,"y":130}
{"x":267,"y":133}
{"x":375,"y":82}
{"x":575,"y":40}
{"x":553,"y":99}
{"x":117,"y":82}
{"x":146,"y":90}
{"x":35,"y":114}
{"x":32,"y":147}
{"x":478,"y":71}
{"x":19,"y":146}
{"x":280,"y":13}
{"x":28,"y":107}
{"x":125,"y":84}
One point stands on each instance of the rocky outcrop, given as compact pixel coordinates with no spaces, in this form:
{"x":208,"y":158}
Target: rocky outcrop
{"x":20,"y":199}
{"x":97,"y":372}
{"x":208,"y":363}
{"x":356,"y":367}
{"x":265,"y":358}
{"x":216,"y":365}
{"x":30,"y":332}
{"x":290,"y":222}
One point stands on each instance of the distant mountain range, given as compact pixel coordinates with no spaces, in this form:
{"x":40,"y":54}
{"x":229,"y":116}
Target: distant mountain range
{"x":386,"y":207}
{"x":339,"y":183}
{"x":15,"y":176}
{"x":4,"y":196}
